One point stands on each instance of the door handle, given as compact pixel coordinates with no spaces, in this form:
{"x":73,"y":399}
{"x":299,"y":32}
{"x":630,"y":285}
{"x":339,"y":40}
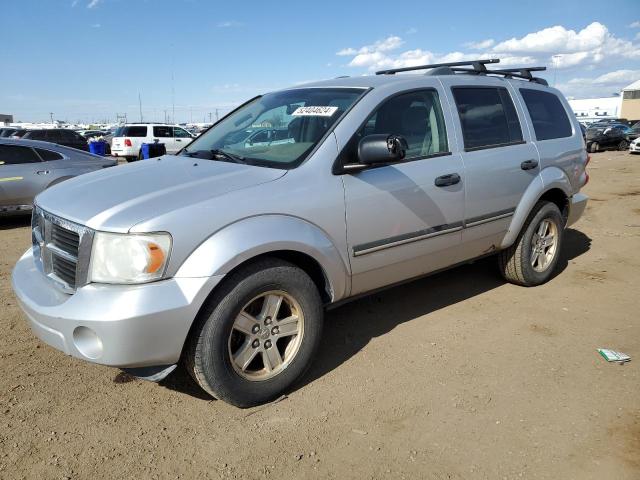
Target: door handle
{"x":447,"y":180}
{"x":529,"y":164}
{"x":178,"y":140}
{"x":43,"y":172}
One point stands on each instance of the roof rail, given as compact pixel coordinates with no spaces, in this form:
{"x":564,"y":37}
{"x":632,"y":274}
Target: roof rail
{"x":523,"y":72}
{"x":478,"y":66}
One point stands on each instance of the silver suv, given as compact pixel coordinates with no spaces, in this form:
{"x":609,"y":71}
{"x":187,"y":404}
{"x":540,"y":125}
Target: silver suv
{"x":225,"y":255}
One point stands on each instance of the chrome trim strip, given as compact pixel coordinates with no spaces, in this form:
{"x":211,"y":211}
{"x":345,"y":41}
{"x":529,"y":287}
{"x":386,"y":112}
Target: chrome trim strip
{"x":472,"y":222}
{"x":390,"y":242}
{"x":371,"y":247}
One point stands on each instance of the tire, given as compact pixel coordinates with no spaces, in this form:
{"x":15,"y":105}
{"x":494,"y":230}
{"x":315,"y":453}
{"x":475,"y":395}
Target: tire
{"x":594,"y":147}
{"x":215,"y":340}
{"x":623,"y":145}
{"x":140,"y":155}
{"x":515,"y":262}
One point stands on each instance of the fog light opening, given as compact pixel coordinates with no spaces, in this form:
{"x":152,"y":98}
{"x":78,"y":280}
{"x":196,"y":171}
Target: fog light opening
{"x":87,"y":342}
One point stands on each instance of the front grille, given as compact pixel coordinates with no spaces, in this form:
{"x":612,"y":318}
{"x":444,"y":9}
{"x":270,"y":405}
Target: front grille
{"x":61,"y":248}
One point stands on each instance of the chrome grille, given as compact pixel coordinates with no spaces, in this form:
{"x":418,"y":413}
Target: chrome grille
{"x":61,"y":249}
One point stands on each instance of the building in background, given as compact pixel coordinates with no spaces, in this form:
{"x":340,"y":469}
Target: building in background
{"x":631,"y":102}
{"x":5,"y":120}
{"x":590,"y":110}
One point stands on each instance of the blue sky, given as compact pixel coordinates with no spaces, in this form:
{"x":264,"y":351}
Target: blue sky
{"x":88,"y":59}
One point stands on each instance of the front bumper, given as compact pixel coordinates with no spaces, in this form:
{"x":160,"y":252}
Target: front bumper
{"x":577,"y":205}
{"x":635,"y":148}
{"x":115,"y":325}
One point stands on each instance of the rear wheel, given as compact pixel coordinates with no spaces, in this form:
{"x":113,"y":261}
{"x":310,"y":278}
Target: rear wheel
{"x":594,"y":147}
{"x":532,"y":259}
{"x":257,"y":334}
{"x":623,"y":145}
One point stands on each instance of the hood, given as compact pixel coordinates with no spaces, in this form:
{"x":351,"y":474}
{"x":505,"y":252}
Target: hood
{"x":115,"y":199}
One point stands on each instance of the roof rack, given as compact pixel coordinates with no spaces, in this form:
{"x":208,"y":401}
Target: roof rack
{"x":478,"y":66}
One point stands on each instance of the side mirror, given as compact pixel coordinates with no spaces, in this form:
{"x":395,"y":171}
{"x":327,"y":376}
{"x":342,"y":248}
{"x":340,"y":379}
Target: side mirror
{"x":382,"y":148}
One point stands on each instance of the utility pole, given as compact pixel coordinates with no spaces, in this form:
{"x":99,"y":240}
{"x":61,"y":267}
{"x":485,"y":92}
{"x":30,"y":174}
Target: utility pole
{"x":217,"y":115}
{"x":209,"y":117}
{"x":51,"y":115}
{"x":165,"y":115}
{"x":556,"y":60}
{"x":140,"y":105}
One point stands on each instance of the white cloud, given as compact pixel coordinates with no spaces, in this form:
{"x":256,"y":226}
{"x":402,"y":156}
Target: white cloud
{"x":635,"y":24}
{"x":481,"y":45}
{"x":230,"y":24}
{"x":93,"y":3}
{"x":556,"y":47}
{"x":411,"y":31}
{"x":96,"y":25}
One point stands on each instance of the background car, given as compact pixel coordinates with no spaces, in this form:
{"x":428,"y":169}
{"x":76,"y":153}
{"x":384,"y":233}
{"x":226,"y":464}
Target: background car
{"x":128,"y":139}
{"x":6,"y":132}
{"x":88,"y":134}
{"x":28,"y":167}
{"x":18,"y":133}
{"x":602,"y":136}
{"x":61,"y":136}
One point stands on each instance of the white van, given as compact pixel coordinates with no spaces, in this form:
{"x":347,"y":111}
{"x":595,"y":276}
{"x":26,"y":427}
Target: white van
{"x":128,"y":139}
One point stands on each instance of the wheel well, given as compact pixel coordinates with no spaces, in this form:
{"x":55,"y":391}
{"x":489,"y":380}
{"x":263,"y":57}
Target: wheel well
{"x":303,"y":261}
{"x":557,"y":196}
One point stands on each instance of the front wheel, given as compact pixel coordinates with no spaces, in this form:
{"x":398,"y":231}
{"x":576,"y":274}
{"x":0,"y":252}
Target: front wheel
{"x":623,"y":145}
{"x":532,"y":259}
{"x":594,"y":147}
{"x":257,"y":334}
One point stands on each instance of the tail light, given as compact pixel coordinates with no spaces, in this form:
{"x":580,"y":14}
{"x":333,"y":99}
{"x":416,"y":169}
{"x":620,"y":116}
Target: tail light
{"x":127,"y":142}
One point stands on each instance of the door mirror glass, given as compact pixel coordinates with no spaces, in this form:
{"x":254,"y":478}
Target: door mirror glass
{"x":382,"y":148}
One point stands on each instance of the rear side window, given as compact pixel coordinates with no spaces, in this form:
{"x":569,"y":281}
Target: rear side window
{"x":548,"y":116}
{"x":13,"y":155}
{"x":180,"y":133}
{"x":35,"y":135}
{"x":487,"y":116}
{"x":48,"y":155}
{"x":134,"y":131}
{"x":163,"y":132}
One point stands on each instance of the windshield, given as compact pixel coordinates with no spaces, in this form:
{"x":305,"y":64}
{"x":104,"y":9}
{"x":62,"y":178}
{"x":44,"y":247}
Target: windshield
{"x":276,"y":130}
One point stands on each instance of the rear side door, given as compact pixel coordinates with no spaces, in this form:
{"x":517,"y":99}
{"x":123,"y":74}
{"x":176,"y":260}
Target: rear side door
{"x":22,"y":175}
{"x":500,"y":160}
{"x":164,"y":134}
{"x":400,"y":222}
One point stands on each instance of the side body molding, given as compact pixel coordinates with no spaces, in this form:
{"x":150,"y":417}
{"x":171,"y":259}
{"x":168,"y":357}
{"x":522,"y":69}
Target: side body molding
{"x":549,"y":178}
{"x":253,"y":236}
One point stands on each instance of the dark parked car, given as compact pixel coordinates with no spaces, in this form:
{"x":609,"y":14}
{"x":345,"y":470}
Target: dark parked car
{"x":607,"y":137}
{"x":18,"y":133}
{"x":6,"y":132}
{"x":61,"y":136}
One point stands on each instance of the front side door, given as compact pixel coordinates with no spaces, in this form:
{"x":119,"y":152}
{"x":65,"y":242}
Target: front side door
{"x":181,"y":138}
{"x":404,"y":219}
{"x":22,"y":175}
{"x":500,"y":161}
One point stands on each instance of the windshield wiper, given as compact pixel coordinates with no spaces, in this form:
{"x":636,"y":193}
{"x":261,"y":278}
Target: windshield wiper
{"x":216,"y":152}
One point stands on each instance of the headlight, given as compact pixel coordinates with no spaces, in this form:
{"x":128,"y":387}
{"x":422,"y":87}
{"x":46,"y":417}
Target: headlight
{"x":129,"y":258}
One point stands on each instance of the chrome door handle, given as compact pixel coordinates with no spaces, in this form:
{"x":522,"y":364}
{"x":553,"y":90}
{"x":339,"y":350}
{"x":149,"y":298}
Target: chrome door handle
{"x":43,"y":172}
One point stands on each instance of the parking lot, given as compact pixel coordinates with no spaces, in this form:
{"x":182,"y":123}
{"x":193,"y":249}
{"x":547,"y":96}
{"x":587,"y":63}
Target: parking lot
{"x":456,"y":376}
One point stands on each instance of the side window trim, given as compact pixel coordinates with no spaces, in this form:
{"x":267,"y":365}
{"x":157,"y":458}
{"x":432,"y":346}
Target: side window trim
{"x":493,"y":87}
{"x":342,"y":168}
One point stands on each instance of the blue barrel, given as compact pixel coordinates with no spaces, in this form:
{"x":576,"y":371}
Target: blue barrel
{"x":98,"y":147}
{"x":152,"y":150}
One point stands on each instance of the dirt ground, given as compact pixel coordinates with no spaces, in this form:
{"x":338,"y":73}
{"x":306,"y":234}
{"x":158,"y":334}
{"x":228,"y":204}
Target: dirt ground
{"x":456,"y":376}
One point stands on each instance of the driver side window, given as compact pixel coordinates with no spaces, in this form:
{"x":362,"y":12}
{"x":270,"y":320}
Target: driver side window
{"x":416,"y":116}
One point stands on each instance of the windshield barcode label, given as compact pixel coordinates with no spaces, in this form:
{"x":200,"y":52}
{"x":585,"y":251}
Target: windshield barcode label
{"x":314,"y":111}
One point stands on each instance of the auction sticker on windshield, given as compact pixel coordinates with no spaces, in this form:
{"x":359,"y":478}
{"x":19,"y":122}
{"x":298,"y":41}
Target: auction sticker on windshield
{"x":314,"y":111}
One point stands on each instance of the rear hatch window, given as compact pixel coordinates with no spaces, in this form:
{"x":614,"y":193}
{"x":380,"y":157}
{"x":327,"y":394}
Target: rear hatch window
{"x":131,"y":131}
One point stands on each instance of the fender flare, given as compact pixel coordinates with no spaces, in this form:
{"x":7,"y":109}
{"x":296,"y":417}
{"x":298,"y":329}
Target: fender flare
{"x":250,"y":237}
{"x":59,"y":180}
{"x":550,"y":178}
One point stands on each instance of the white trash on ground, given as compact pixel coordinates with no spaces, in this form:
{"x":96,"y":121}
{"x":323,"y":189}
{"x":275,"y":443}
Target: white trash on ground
{"x":613,"y":356}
